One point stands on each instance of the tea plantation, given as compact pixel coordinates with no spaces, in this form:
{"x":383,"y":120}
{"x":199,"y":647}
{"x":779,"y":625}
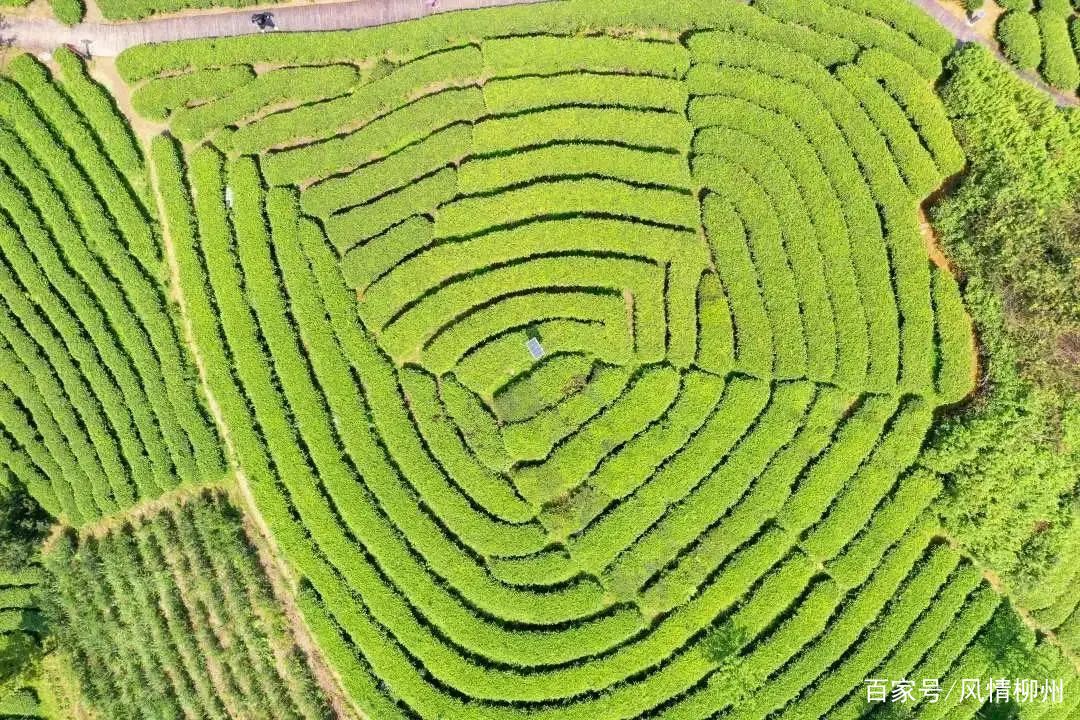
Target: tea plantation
{"x":577,"y":360}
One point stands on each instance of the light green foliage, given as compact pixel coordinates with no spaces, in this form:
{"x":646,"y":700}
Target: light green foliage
{"x":158,"y":97}
{"x":93,"y":363}
{"x":579,"y":357}
{"x":69,"y":12}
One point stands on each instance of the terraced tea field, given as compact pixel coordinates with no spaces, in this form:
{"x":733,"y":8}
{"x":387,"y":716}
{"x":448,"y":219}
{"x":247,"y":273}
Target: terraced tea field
{"x":578,"y":358}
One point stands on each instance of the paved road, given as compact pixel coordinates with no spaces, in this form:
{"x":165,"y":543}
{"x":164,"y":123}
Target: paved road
{"x":111,"y":38}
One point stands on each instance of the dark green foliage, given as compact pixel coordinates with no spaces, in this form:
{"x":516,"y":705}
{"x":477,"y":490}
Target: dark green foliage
{"x":724,"y":641}
{"x":23,"y":525}
{"x":1011,"y":461}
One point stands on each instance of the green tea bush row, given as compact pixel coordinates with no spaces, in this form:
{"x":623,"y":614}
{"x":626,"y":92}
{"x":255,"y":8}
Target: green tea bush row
{"x":957,"y":359}
{"x":584,"y":89}
{"x":546,"y":383}
{"x":826,"y":215}
{"x":484,"y":174}
{"x":28,"y":380}
{"x":707,"y":46}
{"x":921,"y":104}
{"x":853,"y":443}
{"x":547,"y":55}
{"x":472,"y":215}
{"x":909,"y":20}
{"x":424,"y":318}
{"x":716,"y":337}
{"x":364,"y":265}
{"x":715,"y":493}
{"x":1059,"y":64}
{"x":913,"y":494}
{"x":607,"y":308}
{"x":832,"y":20}
{"x":390,"y":132}
{"x":843,"y":630}
{"x":1020,"y":39}
{"x":535,"y":438}
{"x":914,"y":598}
{"x":21,"y":464}
{"x":56,"y":109}
{"x":544,"y":239}
{"x":854,"y":506}
{"x":800,"y":247}
{"x":108,"y":123}
{"x":642,"y":402}
{"x":393,"y":172}
{"x":69,"y":12}
{"x":88,"y":386}
{"x":55,"y":474}
{"x":727,"y":238}
{"x":38,"y":266}
{"x":640,"y":128}
{"x":358,"y":224}
{"x":157,"y":98}
{"x":148,"y":333}
{"x":478,"y":425}
{"x":779,"y":289}
{"x":492,"y":491}
{"x":427,"y":75}
{"x":920,"y":638}
{"x":294,"y":85}
{"x":598,"y":545}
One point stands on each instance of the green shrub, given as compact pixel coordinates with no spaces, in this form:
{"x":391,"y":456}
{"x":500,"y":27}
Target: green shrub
{"x":69,"y":12}
{"x":1059,"y":65}
{"x":1020,"y":39}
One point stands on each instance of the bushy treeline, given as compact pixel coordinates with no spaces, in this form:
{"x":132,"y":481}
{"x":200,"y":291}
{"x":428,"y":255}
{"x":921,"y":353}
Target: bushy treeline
{"x":172,"y":615}
{"x":1011,"y":461}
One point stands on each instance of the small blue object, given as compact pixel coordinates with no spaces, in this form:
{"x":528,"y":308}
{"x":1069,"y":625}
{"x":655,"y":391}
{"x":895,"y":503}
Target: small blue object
{"x":535,"y":349}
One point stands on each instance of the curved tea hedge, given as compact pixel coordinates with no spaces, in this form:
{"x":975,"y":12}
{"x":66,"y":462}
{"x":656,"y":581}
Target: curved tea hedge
{"x":98,"y":403}
{"x":702,"y":500}
{"x":709,"y":227}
